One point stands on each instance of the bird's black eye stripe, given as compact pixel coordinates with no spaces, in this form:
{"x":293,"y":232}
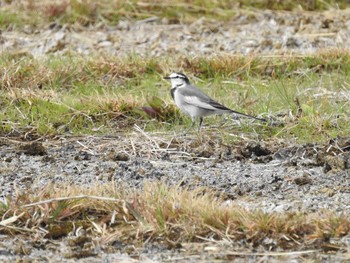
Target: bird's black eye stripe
{"x":178,"y":77}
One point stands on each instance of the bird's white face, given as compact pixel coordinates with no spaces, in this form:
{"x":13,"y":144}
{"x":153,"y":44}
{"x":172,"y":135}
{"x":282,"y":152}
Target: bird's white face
{"x":177,"y":79}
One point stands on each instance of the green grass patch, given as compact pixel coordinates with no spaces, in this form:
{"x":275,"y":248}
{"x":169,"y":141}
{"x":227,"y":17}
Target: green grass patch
{"x":307,"y":95}
{"x":9,"y":18}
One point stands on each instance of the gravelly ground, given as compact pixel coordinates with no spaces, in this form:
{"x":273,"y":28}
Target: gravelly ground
{"x":275,"y":178}
{"x":264,"y":32}
{"x":256,"y":175}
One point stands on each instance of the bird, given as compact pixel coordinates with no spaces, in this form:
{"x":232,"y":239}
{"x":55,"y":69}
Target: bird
{"x":195,"y":102}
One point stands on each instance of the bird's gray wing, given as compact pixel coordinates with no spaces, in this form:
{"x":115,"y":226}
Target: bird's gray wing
{"x":198,"y":98}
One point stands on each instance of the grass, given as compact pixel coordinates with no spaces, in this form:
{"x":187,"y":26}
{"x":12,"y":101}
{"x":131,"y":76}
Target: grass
{"x":84,"y":95}
{"x":161,"y":213}
{"x":73,"y":94}
{"x":40,"y":13}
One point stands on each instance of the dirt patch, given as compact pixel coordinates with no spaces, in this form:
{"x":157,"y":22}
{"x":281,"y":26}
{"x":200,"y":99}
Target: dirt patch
{"x":34,"y":148}
{"x":255,"y":175}
{"x":284,"y":177}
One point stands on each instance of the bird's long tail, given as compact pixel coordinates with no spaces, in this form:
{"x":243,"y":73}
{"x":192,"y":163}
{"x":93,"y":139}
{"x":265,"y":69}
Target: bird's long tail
{"x":248,"y":116}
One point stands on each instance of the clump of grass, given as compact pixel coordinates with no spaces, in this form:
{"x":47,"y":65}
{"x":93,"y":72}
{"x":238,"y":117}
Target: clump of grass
{"x":8,"y":19}
{"x":66,"y":94}
{"x":159,"y":212}
{"x":66,"y":71}
{"x":326,"y":60}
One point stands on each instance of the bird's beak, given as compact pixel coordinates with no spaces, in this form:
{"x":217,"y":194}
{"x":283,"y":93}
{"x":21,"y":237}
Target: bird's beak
{"x":166,"y":77}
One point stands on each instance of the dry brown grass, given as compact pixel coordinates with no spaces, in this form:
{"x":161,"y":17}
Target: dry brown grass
{"x":159,"y":212}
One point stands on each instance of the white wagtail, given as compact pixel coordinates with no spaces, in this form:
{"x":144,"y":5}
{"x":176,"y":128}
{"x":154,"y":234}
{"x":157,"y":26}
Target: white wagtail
{"x":194,"y":102}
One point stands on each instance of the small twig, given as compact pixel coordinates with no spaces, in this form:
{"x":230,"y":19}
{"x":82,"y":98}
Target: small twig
{"x":169,"y":142}
{"x":299,"y":108}
{"x":197,"y":158}
{"x":19,"y":229}
{"x":174,"y":259}
{"x":29,"y":132}
{"x":10,"y":220}
{"x":172,"y":151}
{"x":137,"y":128}
{"x":24,"y":117}
{"x":276,"y":254}
{"x":133,"y":146}
{"x":73,"y":198}
{"x":86,"y":148}
{"x":206,"y":239}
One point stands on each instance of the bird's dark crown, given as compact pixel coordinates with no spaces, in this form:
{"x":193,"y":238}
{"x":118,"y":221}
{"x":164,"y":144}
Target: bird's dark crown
{"x":178,"y":75}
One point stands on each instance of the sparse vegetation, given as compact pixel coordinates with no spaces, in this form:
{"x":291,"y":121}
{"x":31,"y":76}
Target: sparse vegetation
{"x":161,"y":213}
{"x":81,"y":95}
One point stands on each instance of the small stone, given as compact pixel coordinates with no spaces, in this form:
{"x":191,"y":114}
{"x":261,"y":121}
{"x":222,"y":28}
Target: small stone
{"x":121,"y":157}
{"x":303,"y":180}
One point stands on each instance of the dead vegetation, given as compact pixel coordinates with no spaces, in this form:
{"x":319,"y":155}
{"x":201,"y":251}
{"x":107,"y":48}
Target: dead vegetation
{"x":159,"y":213}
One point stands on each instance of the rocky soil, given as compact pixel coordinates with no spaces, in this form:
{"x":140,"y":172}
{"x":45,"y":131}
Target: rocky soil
{"x":275,"y":178}
{"x":264,"y":175}
{"x":264,"y":32}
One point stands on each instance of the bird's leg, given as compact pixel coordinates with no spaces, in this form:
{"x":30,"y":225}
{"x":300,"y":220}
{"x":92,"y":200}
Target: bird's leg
{"x":193,"y":122}
{"x":200,"y":123}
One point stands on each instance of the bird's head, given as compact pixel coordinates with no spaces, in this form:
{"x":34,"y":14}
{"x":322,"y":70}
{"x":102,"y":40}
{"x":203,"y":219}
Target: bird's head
{"x":178,"y":79}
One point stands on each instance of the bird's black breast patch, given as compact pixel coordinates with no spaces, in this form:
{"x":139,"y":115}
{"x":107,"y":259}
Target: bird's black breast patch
{"x":172,"y":92}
